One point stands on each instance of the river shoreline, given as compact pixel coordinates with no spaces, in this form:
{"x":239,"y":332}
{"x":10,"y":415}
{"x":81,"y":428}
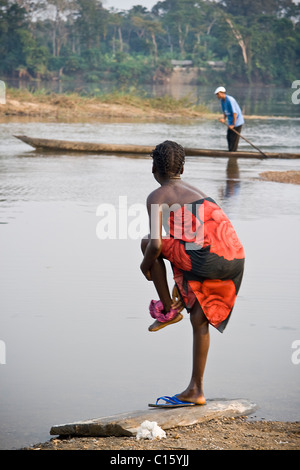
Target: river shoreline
{"x":288,"y":177}
{"x":75,"y":108}
{"x":218,"y":434}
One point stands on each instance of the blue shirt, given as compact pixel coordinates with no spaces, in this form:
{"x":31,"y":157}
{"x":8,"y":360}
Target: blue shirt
{"x":229,"y":107}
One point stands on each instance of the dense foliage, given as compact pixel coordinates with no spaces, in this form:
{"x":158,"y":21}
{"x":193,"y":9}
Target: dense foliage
{"x":257,"y":40}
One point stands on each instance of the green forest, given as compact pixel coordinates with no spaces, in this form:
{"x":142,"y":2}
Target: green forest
{"x":256,"y":41}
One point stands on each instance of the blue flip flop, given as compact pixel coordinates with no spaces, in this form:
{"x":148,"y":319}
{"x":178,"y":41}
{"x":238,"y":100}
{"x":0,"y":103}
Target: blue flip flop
{"x":171,"y":402}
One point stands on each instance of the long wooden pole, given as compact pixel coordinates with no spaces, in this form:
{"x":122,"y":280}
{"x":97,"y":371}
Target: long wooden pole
{"x":240,"y":135}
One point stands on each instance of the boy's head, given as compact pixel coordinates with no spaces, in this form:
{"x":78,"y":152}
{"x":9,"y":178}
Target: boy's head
{"x":168,"y":159}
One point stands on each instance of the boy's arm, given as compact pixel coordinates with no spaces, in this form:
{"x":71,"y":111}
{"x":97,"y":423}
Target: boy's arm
{"x":154,"y":246}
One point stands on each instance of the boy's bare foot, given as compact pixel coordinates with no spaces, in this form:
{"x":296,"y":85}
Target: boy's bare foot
{"x":157,"y":325}
{"x":192,"y":398}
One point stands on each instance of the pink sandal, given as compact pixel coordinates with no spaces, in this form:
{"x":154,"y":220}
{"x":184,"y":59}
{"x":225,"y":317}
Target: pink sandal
{"x":162,"y":319}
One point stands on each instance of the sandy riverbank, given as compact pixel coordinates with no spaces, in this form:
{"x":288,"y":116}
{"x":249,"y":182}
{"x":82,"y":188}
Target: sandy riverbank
{"x":218,"y":434}
{"x":58,"y":107}
{"x":291,"y":177}
{"x":73,"y":107}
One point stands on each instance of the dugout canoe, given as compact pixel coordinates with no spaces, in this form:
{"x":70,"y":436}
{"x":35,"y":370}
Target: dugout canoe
{"x":120,"y":149}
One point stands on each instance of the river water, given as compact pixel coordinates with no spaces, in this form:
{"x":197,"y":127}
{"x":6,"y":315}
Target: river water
{"x":74,"y":307}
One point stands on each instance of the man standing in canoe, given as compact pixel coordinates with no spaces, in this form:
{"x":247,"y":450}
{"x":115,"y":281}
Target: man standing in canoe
{"x":233,"y":113}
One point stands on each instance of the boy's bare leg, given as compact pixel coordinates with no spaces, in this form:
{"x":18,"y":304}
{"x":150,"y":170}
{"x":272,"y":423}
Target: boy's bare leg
{"x":159,"y":278}
{"x":194,"y":392}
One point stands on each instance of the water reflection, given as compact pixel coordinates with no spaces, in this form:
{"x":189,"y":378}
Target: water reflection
{"x":232,"y":187}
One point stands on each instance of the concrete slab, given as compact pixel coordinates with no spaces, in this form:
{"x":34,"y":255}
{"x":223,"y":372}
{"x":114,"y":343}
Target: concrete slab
{"x":127,"y":424}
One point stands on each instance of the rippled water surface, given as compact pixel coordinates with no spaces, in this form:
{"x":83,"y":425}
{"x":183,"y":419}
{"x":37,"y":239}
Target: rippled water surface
{"x":74,"y":308}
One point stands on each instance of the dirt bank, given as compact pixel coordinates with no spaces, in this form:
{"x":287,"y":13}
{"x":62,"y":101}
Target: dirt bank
{"x":56,"y":107}
{"x":76,"y":108}
{"x":218,"y":434}
{"x":292,"y":177}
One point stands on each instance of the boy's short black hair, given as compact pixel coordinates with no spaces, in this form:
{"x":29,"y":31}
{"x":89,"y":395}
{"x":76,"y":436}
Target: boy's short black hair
{"x":168,"y":158}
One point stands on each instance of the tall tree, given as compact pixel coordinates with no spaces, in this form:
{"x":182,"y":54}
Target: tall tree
{"x":91,"y":22}
{"x":60,"y":11}
{"x":115,"y":20}
{"x":147,"y":26}
{"x":177,"y":15}
{"x":18,"y":48}
{"x":248,"y":8}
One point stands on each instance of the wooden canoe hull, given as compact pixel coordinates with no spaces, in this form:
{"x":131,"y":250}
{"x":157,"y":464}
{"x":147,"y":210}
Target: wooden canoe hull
{"x":83,"y":147}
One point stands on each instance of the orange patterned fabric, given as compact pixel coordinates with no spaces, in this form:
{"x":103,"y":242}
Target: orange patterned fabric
{"x":207,"y":258}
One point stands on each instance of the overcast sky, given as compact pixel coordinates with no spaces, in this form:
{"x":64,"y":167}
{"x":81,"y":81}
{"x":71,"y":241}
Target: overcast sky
{"x":127,"y":4}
